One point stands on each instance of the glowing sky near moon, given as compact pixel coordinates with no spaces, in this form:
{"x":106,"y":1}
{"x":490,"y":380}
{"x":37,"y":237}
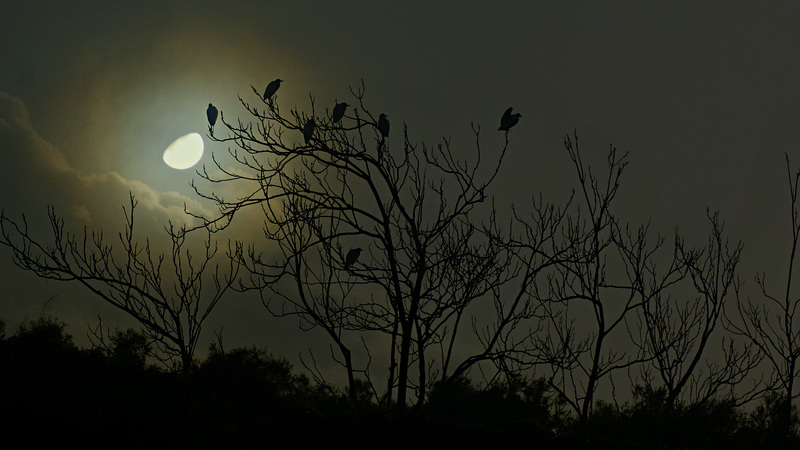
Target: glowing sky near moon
{"x":184,"y":152}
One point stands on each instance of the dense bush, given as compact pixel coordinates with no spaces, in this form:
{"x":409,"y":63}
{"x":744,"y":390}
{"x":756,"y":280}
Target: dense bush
{"x":60,"y":391}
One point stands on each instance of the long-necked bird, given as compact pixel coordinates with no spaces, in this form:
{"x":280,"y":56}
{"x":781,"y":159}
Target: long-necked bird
{"x":211,"y":112}
{"x":308,"y":130}
{"x":352,"y":257}
{"x":338,"y":112}
{"x":272,"y":87}
{"x":383,"y":125}
{"x":508,"y":120}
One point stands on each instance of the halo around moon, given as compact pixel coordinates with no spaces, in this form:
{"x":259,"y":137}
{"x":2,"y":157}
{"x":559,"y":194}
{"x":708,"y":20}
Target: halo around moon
{"x":184,"y":152}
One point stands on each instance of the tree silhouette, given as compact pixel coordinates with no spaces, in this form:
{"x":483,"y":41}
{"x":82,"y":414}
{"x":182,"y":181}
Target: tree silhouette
{"x":677,"y":328}
{"x":349,"y":185}
{"x":590,"y":294}
{"x":132,"y":278}
{"x":773,"y":326}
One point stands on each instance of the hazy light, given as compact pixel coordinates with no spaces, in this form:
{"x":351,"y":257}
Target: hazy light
{"x":185,"y":152}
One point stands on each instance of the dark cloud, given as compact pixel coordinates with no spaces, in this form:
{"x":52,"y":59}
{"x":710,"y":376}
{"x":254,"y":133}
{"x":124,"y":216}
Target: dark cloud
{"x":39,"y":173}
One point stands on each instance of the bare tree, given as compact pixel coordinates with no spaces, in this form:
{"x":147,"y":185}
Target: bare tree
{"x":594,"y":290}
{"x":677,"y":327}
{"x":772,"y":324}
{"x":511,"y":340}
{"x":171,"y":305}
{"x":327,"y":187}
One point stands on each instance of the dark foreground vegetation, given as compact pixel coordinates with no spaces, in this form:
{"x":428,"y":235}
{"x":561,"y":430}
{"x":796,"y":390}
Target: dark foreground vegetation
{"x":54,"y":391}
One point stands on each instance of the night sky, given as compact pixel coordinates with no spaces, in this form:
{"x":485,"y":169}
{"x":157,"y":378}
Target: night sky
{"x":705,"y":97}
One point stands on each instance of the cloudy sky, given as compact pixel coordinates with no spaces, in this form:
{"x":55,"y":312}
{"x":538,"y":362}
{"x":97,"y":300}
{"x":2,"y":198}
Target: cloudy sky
{"x":705,"y":97}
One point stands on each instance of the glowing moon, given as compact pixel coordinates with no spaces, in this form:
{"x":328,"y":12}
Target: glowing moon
{"x":185,"y":152}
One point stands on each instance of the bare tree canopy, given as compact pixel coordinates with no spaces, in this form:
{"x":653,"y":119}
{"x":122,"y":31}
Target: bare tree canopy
{"x":373,"y":233}
{"x":166,"y":294}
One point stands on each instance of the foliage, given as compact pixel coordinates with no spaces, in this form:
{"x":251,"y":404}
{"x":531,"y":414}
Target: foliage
{"x":769,"y":420}
{"x":247,"y":394}
{"x":501,"y":408}
{"x":46,"y":333}
{"x":129,"y":347}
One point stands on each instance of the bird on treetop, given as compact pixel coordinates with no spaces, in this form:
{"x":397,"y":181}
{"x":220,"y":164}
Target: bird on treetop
{"x":383,"y":125}
{"x":352,"y":257}
{"x":211,"y":112}
{"x":508,"y":120}
{"x":338,"y":112}
{"x":272,"y":87}
{"x":308,"y":130}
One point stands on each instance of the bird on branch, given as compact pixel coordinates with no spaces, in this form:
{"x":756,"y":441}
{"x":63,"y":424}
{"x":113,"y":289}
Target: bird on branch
{"x":508,"y":120}
{"x":383,"y":125}
{"x":272,"y":87}
{"x":211,"y":113}
{"x":338,"y":112}
{"x":352,"y":257}
{"x":308,"y":130}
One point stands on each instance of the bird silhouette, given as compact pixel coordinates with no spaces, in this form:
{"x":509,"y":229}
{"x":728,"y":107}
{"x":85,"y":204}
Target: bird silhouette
{"x":383,"y":125}
{"x":211,"y":112}
{"x":338,"y":111}
{"x":508,"y":120}
{"x":308,"y":130}
{"x":352,"y":257}
{"x":272,"y":87}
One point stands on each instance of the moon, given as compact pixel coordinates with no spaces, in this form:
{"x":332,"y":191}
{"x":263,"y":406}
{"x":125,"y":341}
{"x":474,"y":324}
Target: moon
{"x":184,"y":152}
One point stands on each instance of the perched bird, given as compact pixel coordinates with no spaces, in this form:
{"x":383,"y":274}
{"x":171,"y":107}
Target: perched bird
{"x":338,"y":111}
{"x":212,"y":112}
{"x":352,"y":257}
{"x":272,"y":87}
{"x":308,"y":130}
{"x":383,"y":125}
{"x":508,"y":120}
